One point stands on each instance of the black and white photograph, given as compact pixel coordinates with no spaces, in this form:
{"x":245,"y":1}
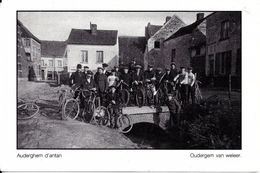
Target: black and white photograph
{"x":129,"y":80}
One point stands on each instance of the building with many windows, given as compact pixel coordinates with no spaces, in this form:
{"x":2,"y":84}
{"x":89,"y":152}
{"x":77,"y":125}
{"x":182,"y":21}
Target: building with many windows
{"x":28,"y":54}
{"x":52,"y":59}
{"x":91,"y":47}
{"x":224,"y":47}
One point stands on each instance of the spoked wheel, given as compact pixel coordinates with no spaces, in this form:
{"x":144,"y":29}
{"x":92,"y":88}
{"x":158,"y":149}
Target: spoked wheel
{"x":139,"y":97}
{"x":101,"y":116}
{"x":71,"y":109}
{"x":27,"y":110}
{"x":124,"y":124}
{"x":125,"y":96}
{"x":88,"y":111}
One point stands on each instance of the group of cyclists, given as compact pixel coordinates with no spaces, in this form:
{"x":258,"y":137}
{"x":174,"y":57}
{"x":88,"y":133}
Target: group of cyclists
{"x":106,"y":83}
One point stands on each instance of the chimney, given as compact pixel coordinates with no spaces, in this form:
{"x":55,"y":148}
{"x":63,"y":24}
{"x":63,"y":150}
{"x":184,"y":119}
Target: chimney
{"x":167,"y":19}
{"x":93,"y":28}
{"x":200,"y":16}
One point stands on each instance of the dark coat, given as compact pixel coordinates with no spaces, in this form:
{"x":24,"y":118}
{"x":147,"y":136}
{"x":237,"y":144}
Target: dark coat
{"x":76,"y":78}
{"x":136,"y":77}
{"x":149,"y":74}
{"x":88,"y":85}
{"x":173,"y":74}
{"x":101,"y":82}
{"x":126,"y":78}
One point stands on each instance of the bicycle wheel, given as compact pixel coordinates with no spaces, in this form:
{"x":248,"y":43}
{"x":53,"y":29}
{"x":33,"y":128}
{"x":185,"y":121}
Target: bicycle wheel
{"x":124,"y":124}
{"x":70,"y":109}
{"x":125,"y":96}
{"x":101,"y":116}
{"x":139,"y":97}
{"x":27,"y":110}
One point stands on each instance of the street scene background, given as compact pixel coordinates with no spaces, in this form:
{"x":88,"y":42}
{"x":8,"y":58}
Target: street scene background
{"x":50,"y":46}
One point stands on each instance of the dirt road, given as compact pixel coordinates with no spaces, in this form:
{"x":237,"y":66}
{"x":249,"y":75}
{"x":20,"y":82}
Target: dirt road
{"x":47,"y":130}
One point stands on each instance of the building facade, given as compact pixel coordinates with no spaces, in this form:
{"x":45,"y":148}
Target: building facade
{"x":91,"y":48}
{"x":52,"y":59}
{"x":28,"y":54}
{"x":224,"y":46}
{"x":187,"y":46}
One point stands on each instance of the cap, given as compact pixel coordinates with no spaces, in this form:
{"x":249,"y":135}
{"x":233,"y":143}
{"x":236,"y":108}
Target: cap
{"x":189,"y":68}
{"x":104,"y":65}
{"x":89,"y":72}
{"x":159,"y":69}
{"x":113,"y":70}
{"x":167,"y":69}
{"x":86,"y":67}
{"x":79,"y":66}
{"x":173,"y":63}
{"x":125,"y":67}
{"x":182,"y":68}
{"x":100,"y":68}
{"x":116,"y":66}
{"x":150,"y":66}
{"x":138,"y":66}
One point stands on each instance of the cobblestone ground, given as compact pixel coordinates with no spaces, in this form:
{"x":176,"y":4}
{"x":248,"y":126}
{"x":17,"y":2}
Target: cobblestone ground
{"x":47,"y":130}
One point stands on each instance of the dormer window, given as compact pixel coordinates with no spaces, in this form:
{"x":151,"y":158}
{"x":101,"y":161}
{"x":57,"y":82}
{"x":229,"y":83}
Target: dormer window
{"x":157,"y":45}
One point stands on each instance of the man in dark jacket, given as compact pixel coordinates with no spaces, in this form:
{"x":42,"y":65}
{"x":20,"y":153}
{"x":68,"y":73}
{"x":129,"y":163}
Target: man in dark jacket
{"x":101,"y":83}
{"x":137,"y":76}
{"x":76,"y":77}
{"x":149,"y":74}
{"x":105,"y":65}
{"x":159,"y":77}
{"x":173,"y":71}
{"x":125,"y":76}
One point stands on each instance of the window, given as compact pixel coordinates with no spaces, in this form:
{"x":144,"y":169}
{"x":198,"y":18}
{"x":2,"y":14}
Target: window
{"x":59,"y":63}
{"x":157,"y":44}
{"x":238,"y":63}
{"x":42,"y":62}
{"x":51,"y":63}
{"x":84,"y":56}
{"x":224,"y":32}
{"x":100,"y":56}
{"x":173,"y":55}
{"x":27,"y":42}
{"x":223,"y":63}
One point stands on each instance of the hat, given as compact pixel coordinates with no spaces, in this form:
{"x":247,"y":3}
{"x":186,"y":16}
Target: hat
{"x":116,"y":66}
{"x":159,"y":69}
{"x":104,"y":65}
{"x":125,"y":67}
{"x":182,"y":67}
{"x":189,"y":68}
{"x":138,"y":66}
{"x":79,"y":66}
{"x":86,"y":67}
{"x":173,"y":63}
{"x":113,"y":70}
{"x":167,"y":69}
{"x":150,"y":66}
{"x":100,"y":68}
{"x":89,"y":72}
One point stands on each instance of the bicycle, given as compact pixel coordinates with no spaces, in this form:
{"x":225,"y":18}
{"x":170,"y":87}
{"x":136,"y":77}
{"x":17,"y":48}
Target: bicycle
{"x":124,"y":93}
{"x":139,"y":94}
{"x":71,"y":107}
{"x":27,"y":109}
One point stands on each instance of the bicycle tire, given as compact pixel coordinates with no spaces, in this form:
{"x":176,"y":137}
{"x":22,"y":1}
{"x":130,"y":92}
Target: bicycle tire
{"x":101,"y":116}
{"x":25,"y":108}
{"x":139,"y":97}
{"x":125,"y":95}
{"x":124,"y":124}
{"x":66,"y":107}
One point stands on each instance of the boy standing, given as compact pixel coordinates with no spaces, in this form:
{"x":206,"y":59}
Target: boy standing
{"x":191,"y":86}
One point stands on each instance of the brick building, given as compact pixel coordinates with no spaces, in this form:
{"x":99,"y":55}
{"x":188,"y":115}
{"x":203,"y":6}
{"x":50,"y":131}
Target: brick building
{"x":187,"y":46}
{"x":28,"y":54}
{"x":52,"y":58}
{"x":224,"y":47}
{"x":154,"y":48}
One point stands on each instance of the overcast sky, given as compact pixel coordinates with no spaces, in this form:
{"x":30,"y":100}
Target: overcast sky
{"x":57,"y":25}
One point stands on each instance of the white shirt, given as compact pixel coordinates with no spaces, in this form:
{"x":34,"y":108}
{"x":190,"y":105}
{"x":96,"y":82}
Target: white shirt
{"x":112,"y":80}
{"x":191,"y":79}
{"x":183,"y":78}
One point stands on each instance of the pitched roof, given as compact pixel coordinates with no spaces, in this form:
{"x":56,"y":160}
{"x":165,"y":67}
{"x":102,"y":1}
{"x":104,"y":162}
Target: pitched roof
{"x":54,"y":49}
{"x":173,"y":25}
{"x":26,"y":33}
{"x":185,"y":30}
{"x":84,"y":36}
{"x":151,"y":30}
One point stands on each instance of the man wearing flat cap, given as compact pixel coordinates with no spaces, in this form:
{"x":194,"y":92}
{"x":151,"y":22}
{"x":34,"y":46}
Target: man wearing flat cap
{"x":149,"y":74}
{"x":125,"y":76}
{"x":159,"y":77}
{"x":137,"y":76}
{"x":76,"y":77}
{"x":105,"y":65}
{"x":173,"y":71}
